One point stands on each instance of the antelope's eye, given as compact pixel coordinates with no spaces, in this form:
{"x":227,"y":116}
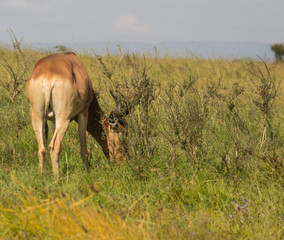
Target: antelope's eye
{"x":113,"y":120}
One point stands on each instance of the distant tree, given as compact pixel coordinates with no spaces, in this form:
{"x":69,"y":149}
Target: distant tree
{"x":278,"y":49}
{"x":61,"y":48}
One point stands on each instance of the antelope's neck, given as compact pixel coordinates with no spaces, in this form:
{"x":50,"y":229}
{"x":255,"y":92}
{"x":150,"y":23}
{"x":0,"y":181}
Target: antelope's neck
{"x":96,"y":122}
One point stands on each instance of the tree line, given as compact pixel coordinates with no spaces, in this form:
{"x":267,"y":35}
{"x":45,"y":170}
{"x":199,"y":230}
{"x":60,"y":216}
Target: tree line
{"x":278,"y":49}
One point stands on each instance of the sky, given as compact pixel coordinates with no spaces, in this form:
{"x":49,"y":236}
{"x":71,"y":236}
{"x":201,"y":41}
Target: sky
{"x":149,"y":21}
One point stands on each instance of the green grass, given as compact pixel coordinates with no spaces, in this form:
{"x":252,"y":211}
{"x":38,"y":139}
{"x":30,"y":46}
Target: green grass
{"x":215,"y":183}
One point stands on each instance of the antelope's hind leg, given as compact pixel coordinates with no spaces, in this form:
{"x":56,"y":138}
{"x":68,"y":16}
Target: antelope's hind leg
{"x":55,"y":144}
{"x":38,"y":126}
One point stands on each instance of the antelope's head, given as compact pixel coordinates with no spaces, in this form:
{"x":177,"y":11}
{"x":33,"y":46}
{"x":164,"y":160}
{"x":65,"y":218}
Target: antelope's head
{"x":117,"y":128}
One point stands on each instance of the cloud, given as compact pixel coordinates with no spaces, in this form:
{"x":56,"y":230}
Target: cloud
{"x":13,"y":4}
{"x":131,"y":24}
{"x":19,"y":3}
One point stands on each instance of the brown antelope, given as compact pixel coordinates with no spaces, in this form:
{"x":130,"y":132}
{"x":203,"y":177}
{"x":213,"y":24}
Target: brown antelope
{"x":60,"y":90}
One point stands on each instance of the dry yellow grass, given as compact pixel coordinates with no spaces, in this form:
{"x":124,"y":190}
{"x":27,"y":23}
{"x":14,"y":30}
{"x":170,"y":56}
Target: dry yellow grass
{"x":56,"y":219}
{"x":61,"y":218}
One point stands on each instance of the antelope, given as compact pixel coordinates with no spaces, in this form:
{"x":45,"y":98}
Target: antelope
{"x":60,"y":90}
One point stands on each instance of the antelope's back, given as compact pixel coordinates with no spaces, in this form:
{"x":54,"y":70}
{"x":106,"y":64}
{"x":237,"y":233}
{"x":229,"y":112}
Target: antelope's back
{"x":62,"y":71}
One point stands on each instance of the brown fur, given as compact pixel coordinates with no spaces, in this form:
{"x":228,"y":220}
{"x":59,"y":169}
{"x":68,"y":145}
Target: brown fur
{"x":60,"y":89}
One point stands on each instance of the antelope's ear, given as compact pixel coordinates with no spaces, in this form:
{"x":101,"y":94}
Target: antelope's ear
{"x":117,"y":122}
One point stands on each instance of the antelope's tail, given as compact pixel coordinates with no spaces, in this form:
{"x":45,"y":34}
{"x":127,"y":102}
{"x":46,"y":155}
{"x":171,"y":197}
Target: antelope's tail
{"x":47,"y":85}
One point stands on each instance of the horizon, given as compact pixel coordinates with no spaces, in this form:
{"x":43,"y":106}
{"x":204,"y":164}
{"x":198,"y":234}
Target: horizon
{"x":174,"y":48}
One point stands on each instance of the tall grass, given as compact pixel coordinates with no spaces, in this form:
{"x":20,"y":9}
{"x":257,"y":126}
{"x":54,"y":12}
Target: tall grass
{"x":205,"y":158}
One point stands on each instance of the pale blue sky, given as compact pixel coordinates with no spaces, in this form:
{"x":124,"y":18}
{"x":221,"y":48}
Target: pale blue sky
{"x":149,"y":21}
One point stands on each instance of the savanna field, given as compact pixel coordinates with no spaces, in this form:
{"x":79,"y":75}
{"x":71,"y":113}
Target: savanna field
{"x":205,"y":150}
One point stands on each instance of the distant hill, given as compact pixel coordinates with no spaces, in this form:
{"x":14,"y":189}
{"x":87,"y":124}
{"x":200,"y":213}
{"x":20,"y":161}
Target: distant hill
{"x":211,"y":49}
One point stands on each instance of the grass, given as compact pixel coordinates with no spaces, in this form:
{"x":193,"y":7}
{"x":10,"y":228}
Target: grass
{"x":215,"y":183}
